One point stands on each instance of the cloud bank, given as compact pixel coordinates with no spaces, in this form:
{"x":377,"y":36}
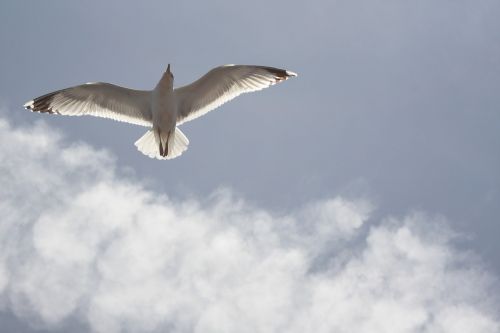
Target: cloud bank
{"x":80,"y":241}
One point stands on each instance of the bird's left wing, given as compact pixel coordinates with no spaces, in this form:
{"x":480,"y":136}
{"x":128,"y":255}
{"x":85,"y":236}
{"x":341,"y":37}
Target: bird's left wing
{"x":97,"y":99}
{"x":221,"y":85}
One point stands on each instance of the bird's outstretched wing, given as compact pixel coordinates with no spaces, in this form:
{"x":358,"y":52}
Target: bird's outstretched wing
{"x":221,"y":85}
{"x":97,"y":99}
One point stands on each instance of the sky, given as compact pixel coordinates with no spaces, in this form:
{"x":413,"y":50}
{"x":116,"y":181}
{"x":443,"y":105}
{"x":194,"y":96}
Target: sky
{"x":363,"y":195}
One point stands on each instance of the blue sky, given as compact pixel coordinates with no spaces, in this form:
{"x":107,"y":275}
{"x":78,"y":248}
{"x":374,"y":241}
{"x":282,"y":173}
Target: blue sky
{"x":393,"y":119}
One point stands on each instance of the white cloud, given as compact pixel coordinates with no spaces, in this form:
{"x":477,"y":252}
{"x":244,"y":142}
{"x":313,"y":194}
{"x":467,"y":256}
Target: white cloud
{"x":79,"y":241}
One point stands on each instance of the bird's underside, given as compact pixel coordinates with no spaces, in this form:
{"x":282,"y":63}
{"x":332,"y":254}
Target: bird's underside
{"x":141,"y":107}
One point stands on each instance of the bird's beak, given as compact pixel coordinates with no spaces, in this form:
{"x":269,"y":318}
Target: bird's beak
{"x":168,"y":68}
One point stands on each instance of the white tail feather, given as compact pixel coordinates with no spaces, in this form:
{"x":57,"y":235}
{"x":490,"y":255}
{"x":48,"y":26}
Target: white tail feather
{"x":149,"y":145}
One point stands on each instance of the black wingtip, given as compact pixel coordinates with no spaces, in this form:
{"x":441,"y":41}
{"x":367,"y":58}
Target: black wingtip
{"x":280,"y":74}
{"x":28,"y":105}
{"x":42,"y":104}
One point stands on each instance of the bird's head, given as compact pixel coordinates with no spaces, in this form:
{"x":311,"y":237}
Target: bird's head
{"x":167,"y":79}
{"x":169,"y":73}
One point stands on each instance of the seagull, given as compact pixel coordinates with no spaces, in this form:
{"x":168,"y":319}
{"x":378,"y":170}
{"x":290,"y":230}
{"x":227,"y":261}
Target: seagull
{"x":162,"y":109}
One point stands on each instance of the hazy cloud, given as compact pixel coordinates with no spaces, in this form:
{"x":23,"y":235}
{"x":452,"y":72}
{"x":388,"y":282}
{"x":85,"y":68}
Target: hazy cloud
{"x":79,"y":240}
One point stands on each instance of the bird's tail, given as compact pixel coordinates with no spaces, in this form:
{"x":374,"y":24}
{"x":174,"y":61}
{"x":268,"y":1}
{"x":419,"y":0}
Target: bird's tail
{"x":154,"y":145}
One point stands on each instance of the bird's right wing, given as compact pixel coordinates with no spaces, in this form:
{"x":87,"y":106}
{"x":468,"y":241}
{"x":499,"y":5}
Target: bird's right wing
{"x":221,"y":85}
{"x":97,"y":99}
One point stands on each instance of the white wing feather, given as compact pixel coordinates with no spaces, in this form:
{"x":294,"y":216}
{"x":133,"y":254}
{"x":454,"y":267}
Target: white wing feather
{"x":221,"y":85}
{"x":97,"y":99}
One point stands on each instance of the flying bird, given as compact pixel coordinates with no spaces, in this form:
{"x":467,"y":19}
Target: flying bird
{"x":162,"y":109}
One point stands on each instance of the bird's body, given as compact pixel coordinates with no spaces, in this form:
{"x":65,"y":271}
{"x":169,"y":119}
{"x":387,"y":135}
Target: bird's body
{"x":163,"y":108}
{"x":164,"y":111}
